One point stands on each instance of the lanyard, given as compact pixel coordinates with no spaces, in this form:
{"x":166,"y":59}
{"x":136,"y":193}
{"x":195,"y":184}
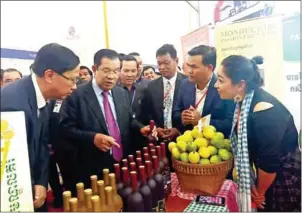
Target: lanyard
{"x":204,"y":95}
{"x":134,"y":93}
{"x":167,"y":93}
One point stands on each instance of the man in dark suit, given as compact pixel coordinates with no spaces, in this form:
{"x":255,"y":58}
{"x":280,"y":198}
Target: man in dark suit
{"x":98,"y":119}
{"x":161,"y":94}
{"x":128,"y":75}
{"x":139,"y":80}
{"x":198,"y":97}
{"x":55,"y":71}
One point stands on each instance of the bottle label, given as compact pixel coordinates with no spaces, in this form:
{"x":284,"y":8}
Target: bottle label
{"x":162,"y":205}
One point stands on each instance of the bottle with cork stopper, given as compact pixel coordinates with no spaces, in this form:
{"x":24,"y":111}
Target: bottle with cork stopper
{"x":102,"y":196}
{"x":109,"y":199}
{"x":96,"y":204}
{"x":80,"y":196}
{"x":94,"y":187}
{"x":88,"y":195}
{"x":117,"y":200}
{"x":66,"y":198}
{"x":73,"y":203}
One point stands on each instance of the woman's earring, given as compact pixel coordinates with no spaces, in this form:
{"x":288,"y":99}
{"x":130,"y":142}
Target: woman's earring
{"x":238,"y":98}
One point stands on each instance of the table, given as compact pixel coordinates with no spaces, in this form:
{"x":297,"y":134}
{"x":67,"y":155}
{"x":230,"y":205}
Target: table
{"x":179,"y":200}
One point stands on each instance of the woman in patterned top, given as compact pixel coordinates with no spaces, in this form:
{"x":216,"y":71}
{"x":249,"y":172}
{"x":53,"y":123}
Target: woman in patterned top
{"x":263,"y":134}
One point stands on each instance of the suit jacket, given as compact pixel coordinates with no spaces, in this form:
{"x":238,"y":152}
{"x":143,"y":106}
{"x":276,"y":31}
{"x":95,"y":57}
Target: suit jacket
{"x":81,"y":118}
{"x":221,"y":111}
{"x":153,"y":106}
{"x":21,"y":96}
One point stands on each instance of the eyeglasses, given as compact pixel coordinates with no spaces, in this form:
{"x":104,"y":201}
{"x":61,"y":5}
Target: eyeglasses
{"x":73,"y":80}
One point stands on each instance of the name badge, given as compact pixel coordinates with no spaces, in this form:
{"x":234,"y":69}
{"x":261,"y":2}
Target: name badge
{"x":57,"y":107}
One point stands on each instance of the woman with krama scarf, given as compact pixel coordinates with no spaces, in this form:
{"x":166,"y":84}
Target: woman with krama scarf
{"x":263,"y":134}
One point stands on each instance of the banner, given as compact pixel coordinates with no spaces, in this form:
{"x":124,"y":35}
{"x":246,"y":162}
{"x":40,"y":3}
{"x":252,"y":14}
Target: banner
{"x":194,"y":39}
{"x":261,"y":37}
{"x":291,"y":65}
{"x":16,"y":188}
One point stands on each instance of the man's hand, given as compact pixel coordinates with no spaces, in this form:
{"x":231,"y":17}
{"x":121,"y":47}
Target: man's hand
{"x":160,"y":132}
{"x":171,"y":134}
{"x":104,"y":142}
{"x":146,"y":130}
{"x":195,"y":116}
{"x":257,"y":198}
{"x":186,"y":117}
{"x":40,"y":196}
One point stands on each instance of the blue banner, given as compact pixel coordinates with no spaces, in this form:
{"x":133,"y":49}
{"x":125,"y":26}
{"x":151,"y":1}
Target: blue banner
{"x":18,"y":54}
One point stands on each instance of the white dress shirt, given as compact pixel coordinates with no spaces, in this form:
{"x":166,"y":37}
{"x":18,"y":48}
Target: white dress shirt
{"x":172,"y":83}
{"x":201,"y":94}
{"x":40,"y":99}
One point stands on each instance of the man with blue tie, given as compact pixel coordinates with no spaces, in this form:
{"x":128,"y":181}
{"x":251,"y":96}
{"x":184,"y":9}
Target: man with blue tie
{"x":54,"y":75}
{"x":98,"y":119}
{"x":197,"y":95}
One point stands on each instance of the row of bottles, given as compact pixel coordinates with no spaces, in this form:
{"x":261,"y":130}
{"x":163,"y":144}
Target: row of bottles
{"x":101,"y":197}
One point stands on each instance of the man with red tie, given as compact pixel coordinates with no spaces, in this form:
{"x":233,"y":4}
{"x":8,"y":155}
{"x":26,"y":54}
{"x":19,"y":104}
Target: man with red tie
{"x":98,"y":119}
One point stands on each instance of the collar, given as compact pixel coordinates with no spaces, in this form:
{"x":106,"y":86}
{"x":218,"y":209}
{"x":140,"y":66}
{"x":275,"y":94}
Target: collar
{"x":171,"y":80}
{"x":40,"y":99}
{"x":207,"y":86}
{"x":97,"y":89}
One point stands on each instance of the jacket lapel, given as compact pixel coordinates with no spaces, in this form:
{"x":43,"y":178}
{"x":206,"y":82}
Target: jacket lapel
{"x":118,"y":110}
{"x":176,"y":90}
{"x":159,"y":97}
{"x":210,"y":96}
{"x":93,"y":103}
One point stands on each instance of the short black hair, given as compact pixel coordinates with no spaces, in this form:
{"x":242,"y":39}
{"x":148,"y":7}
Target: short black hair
{"x":208,"y":54}
{"x":121,"y":55}
{"x":134,"y":54}
{"x":104,"y":53}
{"x":55,"y":57}
{"x":10,"y":70}
{"x":84,"y":67}
{"x":146,"y":68}
{"x":167,"y":49}
{"x":238,"y":67}
{"x":129,"y":58}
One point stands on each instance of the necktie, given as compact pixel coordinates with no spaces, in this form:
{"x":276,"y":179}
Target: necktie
{"x":112,"y":128}
{"x":167,"y":104}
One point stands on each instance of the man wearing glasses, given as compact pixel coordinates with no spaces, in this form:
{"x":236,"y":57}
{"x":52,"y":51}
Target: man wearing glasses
{"x":54,"y":75}
{"x":97,"y":118}
{"x":10,"y":76}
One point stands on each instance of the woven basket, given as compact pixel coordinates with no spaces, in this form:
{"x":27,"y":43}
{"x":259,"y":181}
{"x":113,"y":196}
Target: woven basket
{"x":201,"y":179}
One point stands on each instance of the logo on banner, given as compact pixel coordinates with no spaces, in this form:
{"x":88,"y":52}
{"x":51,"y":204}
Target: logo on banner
{"x":72,"y":34}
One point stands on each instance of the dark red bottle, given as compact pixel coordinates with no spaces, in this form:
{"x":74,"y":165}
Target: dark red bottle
{"x":132,"y":166}
{"x":160,"y":186}
{"x":150,"y":138}
{"x":145,"y":190}
{"x":145,"y":150}
{"x":167,"y":170}
{"x":138,"y":154}
{"x":139,"y":162}
{"x":153,"y":152}
{"x":125,"y":163}
{"x":127,"y":189}
{"x":146,"y":157}
{"x":151,"y":146}
{"x":131,"y":158}
{"x":161,"y":163}
{"x":152,"y":185}
{"x":135,"y":200}
{"x":119,"y":183}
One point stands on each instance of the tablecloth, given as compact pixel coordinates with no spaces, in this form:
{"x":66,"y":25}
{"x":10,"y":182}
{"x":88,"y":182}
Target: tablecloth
{"x":228,"y":191}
